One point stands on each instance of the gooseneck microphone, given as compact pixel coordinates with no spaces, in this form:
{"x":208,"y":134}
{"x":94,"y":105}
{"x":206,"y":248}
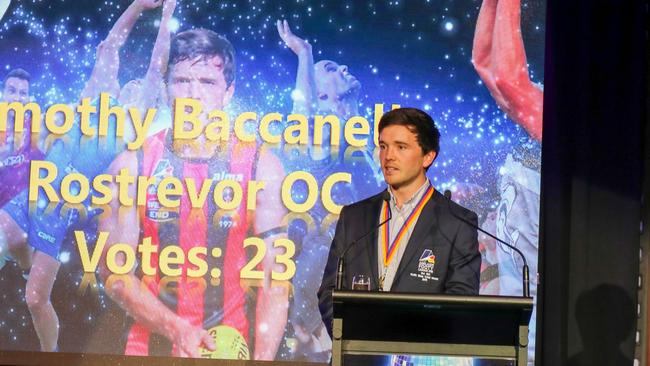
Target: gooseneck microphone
{"x":525,"y":270}
{"x":385,"y":196}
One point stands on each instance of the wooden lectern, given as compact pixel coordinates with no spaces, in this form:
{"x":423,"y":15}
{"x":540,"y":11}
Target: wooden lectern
{"x":373,"y":323}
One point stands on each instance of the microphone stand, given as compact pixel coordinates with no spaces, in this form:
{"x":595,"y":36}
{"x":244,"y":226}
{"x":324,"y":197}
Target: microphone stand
{"x":341,"y":261}
{"x":525,"y":270}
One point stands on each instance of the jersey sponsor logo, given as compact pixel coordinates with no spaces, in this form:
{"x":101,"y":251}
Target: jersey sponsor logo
{"x":45,"y":236}
{"x":154,"y":210}
{"x":226,"y":222}
{"x":223,"y":175}
{"x":12,"y":160}
{"x":162,"y":215}
{"x":163,"y":169}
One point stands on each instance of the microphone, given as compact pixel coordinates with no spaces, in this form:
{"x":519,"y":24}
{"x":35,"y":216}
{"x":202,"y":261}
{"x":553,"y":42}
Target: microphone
{"x":525,"y":270}
{"x":385,"y":196}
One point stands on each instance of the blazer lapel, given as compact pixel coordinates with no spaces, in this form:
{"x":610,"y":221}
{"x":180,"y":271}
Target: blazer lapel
{"x":371,"y":242}
{"x":428,"y":219}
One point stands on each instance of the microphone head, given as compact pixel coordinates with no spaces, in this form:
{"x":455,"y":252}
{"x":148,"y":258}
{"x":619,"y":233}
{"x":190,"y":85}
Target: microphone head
{"x":385,"y":196}
{"x":447,"y":194}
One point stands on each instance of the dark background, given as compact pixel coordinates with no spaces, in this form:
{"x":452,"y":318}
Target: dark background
{"x":595,"y":143}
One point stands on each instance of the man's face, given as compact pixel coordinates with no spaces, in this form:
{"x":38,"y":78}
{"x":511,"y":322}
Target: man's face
{"x":402,"y":160}
{"x":16,"y":90}
{"x":201,"y":79}
{"x":334,"y":80}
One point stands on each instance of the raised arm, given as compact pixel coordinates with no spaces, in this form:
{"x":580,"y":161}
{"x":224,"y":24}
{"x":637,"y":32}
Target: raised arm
{"x":499,"y":58}
{"x":107,"y":62}
{"x":304,"y":96}
{"x":123,"y":227}
{"x":159,"y":57}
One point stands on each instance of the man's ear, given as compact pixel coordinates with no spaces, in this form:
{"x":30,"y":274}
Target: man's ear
{"x":429,"y":158}
{"x":230,"y":91}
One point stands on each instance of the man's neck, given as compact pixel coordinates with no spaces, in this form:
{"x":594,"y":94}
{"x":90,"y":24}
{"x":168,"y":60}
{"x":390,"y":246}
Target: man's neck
{"x":404,"y":193}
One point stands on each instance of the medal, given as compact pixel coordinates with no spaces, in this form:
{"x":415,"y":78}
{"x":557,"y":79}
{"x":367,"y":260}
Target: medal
{"x":391,"y":248}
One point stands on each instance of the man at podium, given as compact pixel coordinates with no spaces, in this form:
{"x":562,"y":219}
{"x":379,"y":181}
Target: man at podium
{"x":408,"y":238}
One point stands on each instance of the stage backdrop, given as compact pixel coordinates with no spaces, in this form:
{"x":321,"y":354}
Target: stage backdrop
{"x":172,"y":190}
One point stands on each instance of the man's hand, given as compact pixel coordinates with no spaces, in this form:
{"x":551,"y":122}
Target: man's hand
{"x":298,"y":45}
{"x":189,"y":338}
{"x":147,"y":4}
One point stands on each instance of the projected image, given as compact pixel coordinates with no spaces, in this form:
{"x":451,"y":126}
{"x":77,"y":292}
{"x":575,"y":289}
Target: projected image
{"x":172,"y":171}
{"x":404,"y":360}
{"x":413,"y":360}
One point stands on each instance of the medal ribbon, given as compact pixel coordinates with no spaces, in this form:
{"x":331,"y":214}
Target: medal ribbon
{"x":391,"y":248}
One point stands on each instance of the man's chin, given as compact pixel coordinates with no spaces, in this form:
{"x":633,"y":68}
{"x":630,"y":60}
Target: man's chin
{"x":392,"y":181}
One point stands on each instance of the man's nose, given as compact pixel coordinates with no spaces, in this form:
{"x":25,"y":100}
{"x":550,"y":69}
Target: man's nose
{"x":195,"y":89}
{"x":389,"y":153}
{"x":343,"y":68}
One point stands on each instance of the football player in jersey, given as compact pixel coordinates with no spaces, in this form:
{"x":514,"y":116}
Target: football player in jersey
{"x":176,"y":321}
{"x":16,"y":152}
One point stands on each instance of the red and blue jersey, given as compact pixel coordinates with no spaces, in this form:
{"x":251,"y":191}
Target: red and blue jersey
{"x":208,"y":226}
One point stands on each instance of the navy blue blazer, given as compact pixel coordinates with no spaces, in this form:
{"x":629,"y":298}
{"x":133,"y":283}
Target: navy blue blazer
{"x":442,"y":254}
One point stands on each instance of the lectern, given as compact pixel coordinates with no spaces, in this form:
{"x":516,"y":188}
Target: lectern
{"x":373,"y":323}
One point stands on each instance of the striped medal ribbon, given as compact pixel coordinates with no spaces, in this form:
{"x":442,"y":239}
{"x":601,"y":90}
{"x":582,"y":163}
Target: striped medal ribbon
{"x":391,"y":248}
